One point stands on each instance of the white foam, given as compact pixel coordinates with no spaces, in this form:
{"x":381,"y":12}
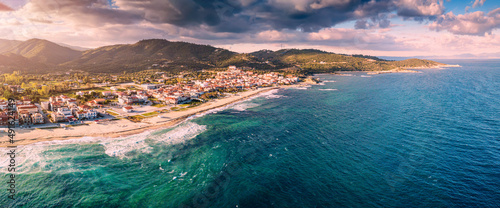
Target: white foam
{"x":302,"y":88}
{"x":365,"y":76}
{"x":119,"y":147}
{"x":36,"y":157}
{"x":39,"y":157}
{"x":329,"y":81}
{"x":183,"y":132}
{"x":244,"y":106}
{"x":273,"y":96}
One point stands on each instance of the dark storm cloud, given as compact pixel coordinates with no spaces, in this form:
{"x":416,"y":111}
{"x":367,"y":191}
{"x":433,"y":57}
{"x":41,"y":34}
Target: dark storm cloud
{"x":237,"y":16}
{"x":82,"y":12}
{"x":361,"y":24}
{"x":378,"y":21}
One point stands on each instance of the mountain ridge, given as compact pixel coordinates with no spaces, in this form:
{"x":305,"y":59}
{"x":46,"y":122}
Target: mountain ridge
{"x":45,"y":56}
{"x":44,"y":51}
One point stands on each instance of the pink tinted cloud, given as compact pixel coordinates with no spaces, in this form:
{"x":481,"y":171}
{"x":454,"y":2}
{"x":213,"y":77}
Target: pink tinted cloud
{"x":476,"y":23}
{"x":478,"y":3}
{"x":4,"y":8}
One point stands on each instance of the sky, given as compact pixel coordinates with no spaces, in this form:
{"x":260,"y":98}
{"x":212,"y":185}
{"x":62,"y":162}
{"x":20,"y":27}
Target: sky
{"x":437,"y":28}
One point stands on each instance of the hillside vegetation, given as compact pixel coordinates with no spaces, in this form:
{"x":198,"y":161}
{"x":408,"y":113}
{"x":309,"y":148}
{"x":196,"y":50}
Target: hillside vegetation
{"x":42,"y":56}
{"x":44,"y":51}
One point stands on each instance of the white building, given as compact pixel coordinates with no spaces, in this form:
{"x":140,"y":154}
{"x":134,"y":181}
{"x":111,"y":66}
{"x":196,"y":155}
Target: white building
{"x":65,"y":111}
{"x":128,"y":109}
{"x":149,"y":86}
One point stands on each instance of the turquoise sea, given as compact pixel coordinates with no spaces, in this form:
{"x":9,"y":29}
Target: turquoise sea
{"x":430,"y":139}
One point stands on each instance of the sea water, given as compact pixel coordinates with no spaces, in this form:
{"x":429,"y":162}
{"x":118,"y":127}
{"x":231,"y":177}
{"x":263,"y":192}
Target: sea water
{"x":427,"y":139}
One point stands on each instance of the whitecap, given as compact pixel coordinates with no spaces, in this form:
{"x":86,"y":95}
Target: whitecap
{"x":244,"y":106}
{"x":119,"y":147}
{"x":38,"y":157}
{"x":183,"y":132}
{"x":302,"y":87}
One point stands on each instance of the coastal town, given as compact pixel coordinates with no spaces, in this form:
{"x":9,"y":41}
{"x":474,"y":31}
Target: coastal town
{"x":134,"y":101}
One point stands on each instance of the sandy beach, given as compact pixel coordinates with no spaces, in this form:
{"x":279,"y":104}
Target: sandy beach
{"x":124,"y":127}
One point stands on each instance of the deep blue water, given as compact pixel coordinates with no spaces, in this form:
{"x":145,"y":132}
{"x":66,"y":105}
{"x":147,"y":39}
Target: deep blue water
{"x":430,"y":139}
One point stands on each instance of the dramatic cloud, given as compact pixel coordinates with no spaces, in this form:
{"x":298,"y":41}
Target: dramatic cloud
{"x":235,"y":16}
{"x":476,"y":23}
{"x":419,"y":8}
{"x":344,"y":26}
{"x":379,"y":21}
{"x":82,"y":12}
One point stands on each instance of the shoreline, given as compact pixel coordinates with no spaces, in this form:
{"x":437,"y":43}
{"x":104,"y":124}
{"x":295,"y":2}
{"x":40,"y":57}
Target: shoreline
{"x":401,"y":70}
{"x":123,"y":127}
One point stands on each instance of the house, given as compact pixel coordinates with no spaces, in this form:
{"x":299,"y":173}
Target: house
{"x":55,"y":105}
{"x":26,"y":100}
{"x":24,"y":117}
{"x":70,"y":101}
{"x":128,"y":109}
{"x":92,"y":114}
{"x":142,"y":98}
{"x":93,"y":103}
{"x":65,"y":111}
{"x":107,"y":93}
{"x":4,"y":105}
{"x":63,"y":98}
{"x":58,"y":117}
{"x":30,"y":108}
{"x":132,"y":99}
{"x":81,"y":115}
{"x":45,"y":105}
{"x":170,"y":99}
{"x":149,"y":86}
{"x":80,"y":93}
{"x":99,"y":101}
{"x":86,"y":114}
{"x":37,"y":118}
{"x":4,"y":119}
{"x":16,"y":88}
{"x":84,"y":108}
{"x":125,"y":100}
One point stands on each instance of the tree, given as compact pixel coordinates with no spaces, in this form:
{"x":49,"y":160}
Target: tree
{"x":44,"y":91}
{"x":7,"y":94}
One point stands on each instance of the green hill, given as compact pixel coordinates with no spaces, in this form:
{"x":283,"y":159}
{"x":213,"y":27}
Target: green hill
{"x":12,"y":62}
{"x":6,"y":45}
{"x":43,"y":56}
{"x":44,"y":51}
{"x":315,"y":61}
{"x":150,"y":53}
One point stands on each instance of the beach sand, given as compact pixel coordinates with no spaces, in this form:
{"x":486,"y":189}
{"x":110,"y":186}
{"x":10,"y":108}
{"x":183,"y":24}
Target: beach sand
{"x":124,"y":127}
